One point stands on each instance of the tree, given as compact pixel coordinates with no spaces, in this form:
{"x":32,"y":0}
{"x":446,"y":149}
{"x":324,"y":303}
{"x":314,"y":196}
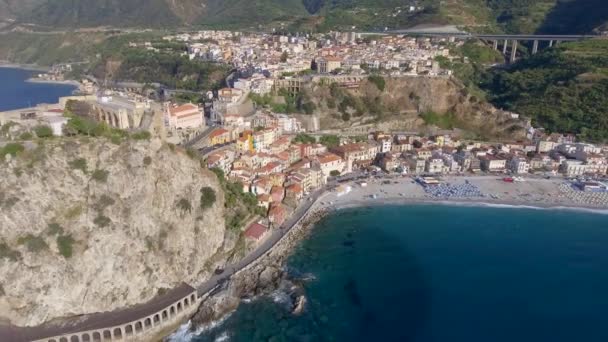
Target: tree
{"x":378,"y":81}
{"x":334,"y":173}
{"x":208,"y":197}
{"x":305,"y":138}
{"x":330,"y":140}
{"x":284,"y":57}
{"x":43,"y":131}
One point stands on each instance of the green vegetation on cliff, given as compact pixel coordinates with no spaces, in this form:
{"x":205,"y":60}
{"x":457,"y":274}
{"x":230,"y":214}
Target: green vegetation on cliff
{"x":562,"y":89}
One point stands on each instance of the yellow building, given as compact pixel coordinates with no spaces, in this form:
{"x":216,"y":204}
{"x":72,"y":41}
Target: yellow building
{"x":219,"y":136}
{"x":245,"y":144}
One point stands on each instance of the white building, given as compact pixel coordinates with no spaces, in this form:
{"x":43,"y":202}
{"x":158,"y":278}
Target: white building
{"x":184,"y":116}
{"x":573,"y":168}
{"x":519,"y":165}
{"x":434,"y":165}
{"x":386,"y":145}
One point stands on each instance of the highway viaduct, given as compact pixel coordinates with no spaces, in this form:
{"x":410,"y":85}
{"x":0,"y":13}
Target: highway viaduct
{"x":497,"y":40}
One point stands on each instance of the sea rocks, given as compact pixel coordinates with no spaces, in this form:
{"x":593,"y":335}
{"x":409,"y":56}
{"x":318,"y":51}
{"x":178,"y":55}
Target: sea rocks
{"x":299,"y":306}
{"x":263,"y":277}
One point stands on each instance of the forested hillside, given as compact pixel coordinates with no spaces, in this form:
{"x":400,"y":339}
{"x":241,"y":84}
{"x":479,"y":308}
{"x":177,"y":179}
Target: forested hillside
{"x":518,"y":16}
{"x":563,"y":89}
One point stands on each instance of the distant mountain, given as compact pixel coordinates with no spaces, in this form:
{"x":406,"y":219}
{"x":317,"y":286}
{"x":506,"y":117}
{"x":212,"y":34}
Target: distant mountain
{"x":525,"y":16}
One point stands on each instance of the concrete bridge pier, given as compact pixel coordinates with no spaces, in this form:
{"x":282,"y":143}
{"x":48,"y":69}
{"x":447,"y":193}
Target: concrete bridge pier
{"x":495,"y":45}
{"x":557,"y":42}
{"x":504,"y":47}
{"x":550,"y":43}
{"x":514,"y":52}
{"x":535,"y":47}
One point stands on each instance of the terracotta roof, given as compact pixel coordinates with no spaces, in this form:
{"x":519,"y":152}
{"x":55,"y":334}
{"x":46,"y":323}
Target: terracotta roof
{"x":297,"y":188}
{"x":255,"y":231}
{"x":328,"y":158}
{"x":218,"y":132}
{"x":175,"y":111}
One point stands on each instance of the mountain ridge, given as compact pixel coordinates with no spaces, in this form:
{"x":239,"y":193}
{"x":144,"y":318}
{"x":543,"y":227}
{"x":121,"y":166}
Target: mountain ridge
{"x":515,"y":16}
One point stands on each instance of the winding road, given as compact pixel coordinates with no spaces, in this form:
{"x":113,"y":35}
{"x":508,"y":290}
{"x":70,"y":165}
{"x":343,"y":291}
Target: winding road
{"x":267,"y":244}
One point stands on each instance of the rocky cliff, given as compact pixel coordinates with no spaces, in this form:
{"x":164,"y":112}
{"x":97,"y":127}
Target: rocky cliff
{"x":402,"y":103}
{"x":89,"y":226}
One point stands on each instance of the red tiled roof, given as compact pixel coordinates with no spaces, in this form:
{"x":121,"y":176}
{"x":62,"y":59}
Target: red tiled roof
{"x":218,"y":132}
{"x":183,"y":108}
{"x":255,"y":231}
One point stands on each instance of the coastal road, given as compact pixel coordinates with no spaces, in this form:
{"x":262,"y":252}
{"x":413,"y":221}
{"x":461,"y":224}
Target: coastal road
{"x":267,"y":244}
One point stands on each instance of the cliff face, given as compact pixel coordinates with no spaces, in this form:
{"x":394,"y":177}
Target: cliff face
{"x":93,"y":226}
{"x":402,"y":101}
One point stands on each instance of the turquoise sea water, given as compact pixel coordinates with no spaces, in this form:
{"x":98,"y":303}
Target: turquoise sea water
{"x":425,"y":273}
{"x":16,"y":93}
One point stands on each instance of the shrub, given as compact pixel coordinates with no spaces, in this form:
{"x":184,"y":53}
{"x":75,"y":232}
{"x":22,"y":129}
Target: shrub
{"x":378,"y":81}
{"x":184,"y":205}
{"x":147,"y":161}
{"x":54,"y":229}
{"x":73,"y":212}
{"x":102,"y":221}
{"x":104,"y":202}
{"x":12,"y":148}
{"x":100,"y":176}
{"x":192,"y":153}
{"x":7,"y":253}
{"x":79,"y":164}
{"x":334,"y":173}
{"x":26,"y":136}
{"x":43,"y":131}
{"x":65,"y":245}
{"x":142,"y":135}
{"x":207,"y":197}
{"x":33,"y":243}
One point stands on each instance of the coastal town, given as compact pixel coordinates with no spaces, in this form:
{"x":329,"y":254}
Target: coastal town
{"x":185,"y":166}
{"x":282,"y":158}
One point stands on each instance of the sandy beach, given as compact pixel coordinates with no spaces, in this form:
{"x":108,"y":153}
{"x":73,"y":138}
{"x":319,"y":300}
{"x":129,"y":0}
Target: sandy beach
{"x":533,"y":192}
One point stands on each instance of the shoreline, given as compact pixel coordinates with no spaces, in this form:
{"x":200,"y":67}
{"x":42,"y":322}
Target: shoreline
{"x":27,"y":67}
{"x":44,"y":81}
{"x":247,"y":283}
{"x":466,"y":202}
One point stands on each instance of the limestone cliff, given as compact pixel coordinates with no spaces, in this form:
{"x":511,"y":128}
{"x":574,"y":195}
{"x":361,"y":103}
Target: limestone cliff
{"x":90,"y":226}
{"x":402,"y":101}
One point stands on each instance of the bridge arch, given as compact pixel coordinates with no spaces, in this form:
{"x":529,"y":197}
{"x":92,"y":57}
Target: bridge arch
{"x":148,"y":323}
{"x":129,"y":330}
{"x":139,"y":327}
{"x":118,"y":334}
{"x":85,"y":337}
{"x":156,"y":319}
{"x":97,"y":336}
{"x":75,"y":338}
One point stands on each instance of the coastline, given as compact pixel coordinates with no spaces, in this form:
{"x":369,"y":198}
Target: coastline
{"x":268,"y":272}
{"x":28,"y":67}
{"x":44,"y":81}
{"x":464,"y":202}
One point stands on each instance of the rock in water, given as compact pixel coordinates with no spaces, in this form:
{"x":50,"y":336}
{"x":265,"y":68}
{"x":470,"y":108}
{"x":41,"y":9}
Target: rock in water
{"x":300,"y":305}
